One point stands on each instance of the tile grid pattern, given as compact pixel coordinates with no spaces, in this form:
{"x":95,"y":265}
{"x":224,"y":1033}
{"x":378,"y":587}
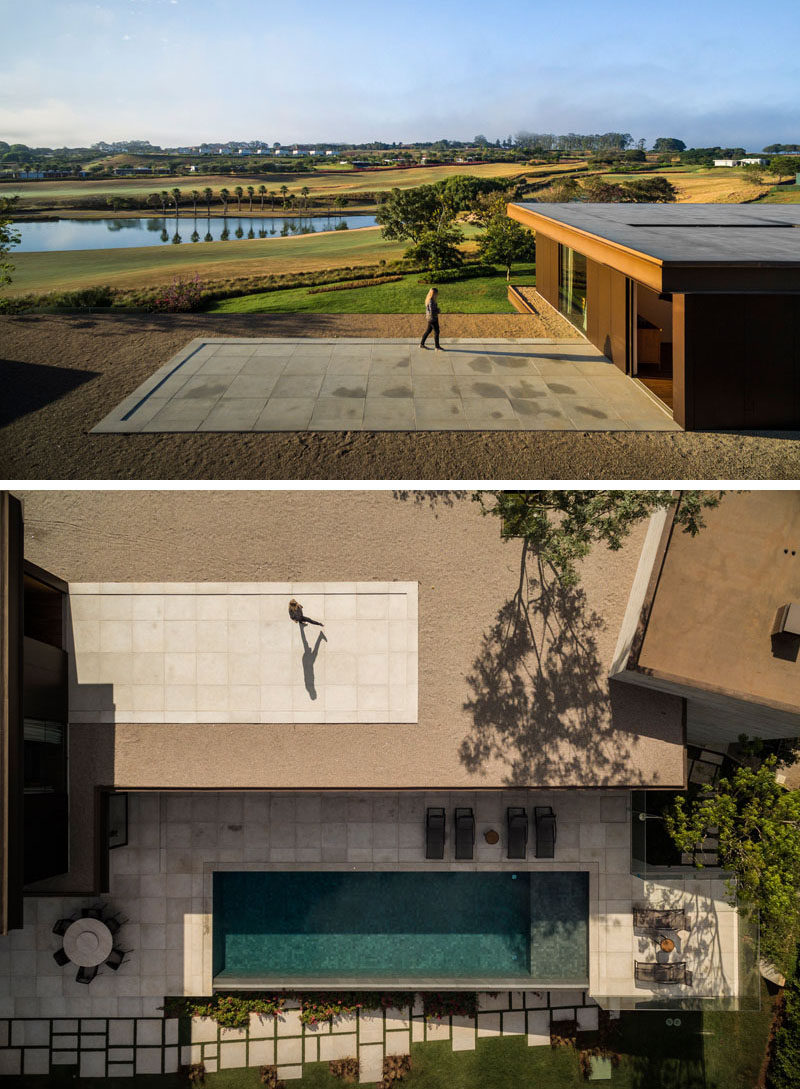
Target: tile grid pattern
{"x":103,"y":1047}
{"x":211,"y":652}
{"x":387,"y":385}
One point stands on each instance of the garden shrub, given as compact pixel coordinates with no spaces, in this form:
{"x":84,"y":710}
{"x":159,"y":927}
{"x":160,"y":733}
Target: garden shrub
{"x":783,"y":1071}
{"x":446,"y":1003}
{"x":455,"y":275}
{"x":268,"y":1075}
{"x":180,"y":297}
{"x":395,"y":1068}
{"x":348,"y":284}
{"x":346,"y":1069}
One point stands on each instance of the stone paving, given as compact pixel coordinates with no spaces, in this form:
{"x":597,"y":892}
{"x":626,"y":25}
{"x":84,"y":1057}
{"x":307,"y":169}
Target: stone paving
{"x":388,"y":385}
{"x":217,"y":652}
{"x":121,"y":1047}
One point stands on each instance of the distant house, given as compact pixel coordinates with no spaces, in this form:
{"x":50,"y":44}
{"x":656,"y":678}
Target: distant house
{"x":726,"y":162}
{"x":752,"y":162}
{"x":330,"y":153}
{"x":245,"y":151}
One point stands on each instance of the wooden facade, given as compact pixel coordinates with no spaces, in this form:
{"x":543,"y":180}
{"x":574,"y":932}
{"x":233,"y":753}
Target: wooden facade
{"x":11,"y":722}
{"x":735,"y":328}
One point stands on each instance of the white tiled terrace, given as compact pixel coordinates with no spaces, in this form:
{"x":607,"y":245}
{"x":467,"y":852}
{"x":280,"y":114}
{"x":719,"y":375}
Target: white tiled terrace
{"x":228,"y":652}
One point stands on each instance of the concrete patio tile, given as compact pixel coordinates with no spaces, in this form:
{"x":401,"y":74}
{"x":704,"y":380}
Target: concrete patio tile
{"x":232,"y":1055}
{"x":438,"y":408}
{"x":344,"y":412}
{"x":435,"y":385}
{"x":487,"y":411}
{"x":289,"y":1050}
{"x":297,"y":386}
{"x":349,"y":366}
{"x":285,"y":414}
{"x":261,"y":1052}
{"x":539,"y":1028}
{"x":234,"y":414}
{"x":463,"y":1034}
{"x":306,"y":365}
{"x":337,"y":1046}
{"x":489,"y":1024}
{"x":513,"y":1022}
{"x":257,"y":386}
{"x":289,"y":1073}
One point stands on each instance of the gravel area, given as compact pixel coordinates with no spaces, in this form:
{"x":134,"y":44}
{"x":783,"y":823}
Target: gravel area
{"x":61,"y":374}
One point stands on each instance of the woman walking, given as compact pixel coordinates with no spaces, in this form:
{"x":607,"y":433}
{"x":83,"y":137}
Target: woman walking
{"x":432,"y":314}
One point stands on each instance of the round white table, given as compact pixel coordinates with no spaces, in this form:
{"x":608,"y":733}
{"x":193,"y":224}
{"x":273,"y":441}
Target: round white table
{"x":88,"y":942}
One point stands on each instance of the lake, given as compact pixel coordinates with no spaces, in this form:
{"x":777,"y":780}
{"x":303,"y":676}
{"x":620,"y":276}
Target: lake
{"x":108,"y":234}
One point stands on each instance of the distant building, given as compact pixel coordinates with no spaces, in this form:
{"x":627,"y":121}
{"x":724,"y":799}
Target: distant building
{"x":726,"y":162}
{"x":740,"y":162}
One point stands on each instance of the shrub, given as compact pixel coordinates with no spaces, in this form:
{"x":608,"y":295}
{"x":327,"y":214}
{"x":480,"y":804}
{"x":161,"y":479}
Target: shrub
{"x":228,"y":1010}
{"x":346,"y":1069}
{"x":196,"y":1074}
{"x":445,"y":1003}
{"x":455,"y":275}
{"x":180,"y":297}
{"x":341,"y":226}
{"x":348,"y":284}
{"x":268,"y":1075}
{"x":783,"y":1071}
{"x":395,"y":1068}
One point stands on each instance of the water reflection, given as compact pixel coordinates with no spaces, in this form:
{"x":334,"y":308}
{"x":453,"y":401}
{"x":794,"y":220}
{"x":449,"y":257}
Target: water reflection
{"x":87,"y":234}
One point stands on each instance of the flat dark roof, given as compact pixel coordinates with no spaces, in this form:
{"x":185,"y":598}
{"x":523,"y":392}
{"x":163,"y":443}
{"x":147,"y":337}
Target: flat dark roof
{"x":742,"y":234}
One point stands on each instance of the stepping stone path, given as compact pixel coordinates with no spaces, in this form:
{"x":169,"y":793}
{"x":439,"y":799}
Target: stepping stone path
{"x":122,"y":1047}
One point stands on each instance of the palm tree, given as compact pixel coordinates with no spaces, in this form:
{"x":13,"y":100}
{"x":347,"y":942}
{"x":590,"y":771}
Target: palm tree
{"x":195,"y":198}
{"x":284,"y":191}
{"x":340,"y":203}
{"x":176,"y":196}
{"x":207,"y":196}
{"x":224,"y":196}
{"x":153,"y":199}
{"x":250,"y":192}
{"x":304,"y":193}
{"x":239,"y":194}
{"x":262,"y":192}
{"x":272,"y":195}
{"x":164,"y":195}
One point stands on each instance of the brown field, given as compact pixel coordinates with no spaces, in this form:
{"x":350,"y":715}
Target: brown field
{"x":60,"y":193}
{"x":711,"y":186}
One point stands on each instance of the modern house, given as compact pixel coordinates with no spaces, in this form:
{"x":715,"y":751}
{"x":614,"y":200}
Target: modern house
{"x":175,"y":748}
{"x":699,"y":302}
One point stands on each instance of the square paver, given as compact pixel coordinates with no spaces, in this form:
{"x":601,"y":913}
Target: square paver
{"x":318,"y":384}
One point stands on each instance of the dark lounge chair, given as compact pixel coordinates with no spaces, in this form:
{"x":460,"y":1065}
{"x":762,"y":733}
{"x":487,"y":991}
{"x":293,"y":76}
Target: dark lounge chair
{"x":434,"y":832}
{"x":545,"y":820}
{"x":62,"y":925}
{"x":86,"y":975}
{"x":115,"y":958}
{"x":60,"y":957}
{"x":517,"y":827}
{"x":660,"y":918}
{"x":653,"y":972}
{"x":94,"y":912}
{"x":465,"y":832}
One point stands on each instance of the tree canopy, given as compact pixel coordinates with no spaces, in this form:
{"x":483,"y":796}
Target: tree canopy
{"x":564,"y":526}
{"x":504,"y":240}
{"x":758,"y":824}
{"x":668,"y":143}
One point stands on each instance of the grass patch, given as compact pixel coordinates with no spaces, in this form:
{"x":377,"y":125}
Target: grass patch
{"x":482,"y":295}
{"x":147,"y":266}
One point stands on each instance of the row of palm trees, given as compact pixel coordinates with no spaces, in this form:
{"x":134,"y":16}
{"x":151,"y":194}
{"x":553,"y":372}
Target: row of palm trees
{"x":174,"y":196}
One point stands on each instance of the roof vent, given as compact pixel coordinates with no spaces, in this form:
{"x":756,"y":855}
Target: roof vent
{"x":787,"y":620}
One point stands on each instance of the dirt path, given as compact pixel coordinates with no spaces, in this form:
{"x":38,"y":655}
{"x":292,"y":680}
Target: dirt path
{"x":61,"y":374}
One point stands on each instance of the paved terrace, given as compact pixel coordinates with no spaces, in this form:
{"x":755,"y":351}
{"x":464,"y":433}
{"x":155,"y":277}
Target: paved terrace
{"x":387,"y":385}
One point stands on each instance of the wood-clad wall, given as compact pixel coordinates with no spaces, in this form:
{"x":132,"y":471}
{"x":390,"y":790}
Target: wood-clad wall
{"x":736,"y":361}
{"x":11,"y":735}
{"x":547,"y":268}
{"x":606,"y":314}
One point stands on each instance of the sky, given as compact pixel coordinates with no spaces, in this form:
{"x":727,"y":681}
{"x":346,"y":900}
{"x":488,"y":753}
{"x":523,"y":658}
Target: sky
{"x":178,"y":72}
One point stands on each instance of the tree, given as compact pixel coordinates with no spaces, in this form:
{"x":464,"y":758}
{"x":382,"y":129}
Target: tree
{"x":438,"y":249}
{"x":304,"y":194}
{"x":176,"y":196}
{"x":195,"y":197}
{"x":668,"y":143}
{"x":251,"y":193}
{"x":564,"y":526}
{"x":207,"y":197}
{"x":224,"y":196}
{"x":9,"y":237}
{"x":164,"y":198}
{"x":783,"y":165}
{"x":284,"y":192}
{"x":504,"y":240}
{"x":408,"y":214}
{"x":262,"y":192}
{"x":239,"y":194}
{"x":272,"y":195}
{"x":758,"y":825}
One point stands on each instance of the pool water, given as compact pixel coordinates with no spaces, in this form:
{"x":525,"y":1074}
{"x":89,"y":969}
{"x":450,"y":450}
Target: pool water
{"x":420,"y":925}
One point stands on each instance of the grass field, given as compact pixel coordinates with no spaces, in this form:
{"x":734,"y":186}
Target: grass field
{"x":783,"y":194}
{"x":146,"y":266}
{"x":482,"y":295}
{"x":707,"y":185}
{"x":36,"y":194}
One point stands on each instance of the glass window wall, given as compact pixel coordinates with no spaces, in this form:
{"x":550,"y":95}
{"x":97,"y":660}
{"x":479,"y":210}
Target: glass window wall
{"x":572,"y":286}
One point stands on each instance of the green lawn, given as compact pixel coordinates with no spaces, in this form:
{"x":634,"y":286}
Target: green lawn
{"x":783,"y":194}
{"x":483,"y":295}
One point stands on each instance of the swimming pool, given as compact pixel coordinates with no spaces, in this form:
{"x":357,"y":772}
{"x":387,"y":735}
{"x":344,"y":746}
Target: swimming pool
{"x":421,"y":926}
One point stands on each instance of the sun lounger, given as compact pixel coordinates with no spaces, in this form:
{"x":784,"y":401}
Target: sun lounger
{"x":653,"y":972}
{"x":517,"y":827}
{"x":660,"y":918}
{"x":465,"y":832}
{"x":85,"y":975}
{"x":434,"y":832}
{"x":545,"y":820}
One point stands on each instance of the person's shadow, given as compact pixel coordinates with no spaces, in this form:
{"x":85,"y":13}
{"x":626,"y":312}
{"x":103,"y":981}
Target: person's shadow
{"x":309,"y":657}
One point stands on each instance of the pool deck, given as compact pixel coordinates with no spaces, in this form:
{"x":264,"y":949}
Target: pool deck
{"x":357,"y":384}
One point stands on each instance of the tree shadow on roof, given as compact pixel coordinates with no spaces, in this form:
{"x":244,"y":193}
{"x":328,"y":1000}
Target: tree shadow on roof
{"x":28,"y":387}
{"x":540,"y":701}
